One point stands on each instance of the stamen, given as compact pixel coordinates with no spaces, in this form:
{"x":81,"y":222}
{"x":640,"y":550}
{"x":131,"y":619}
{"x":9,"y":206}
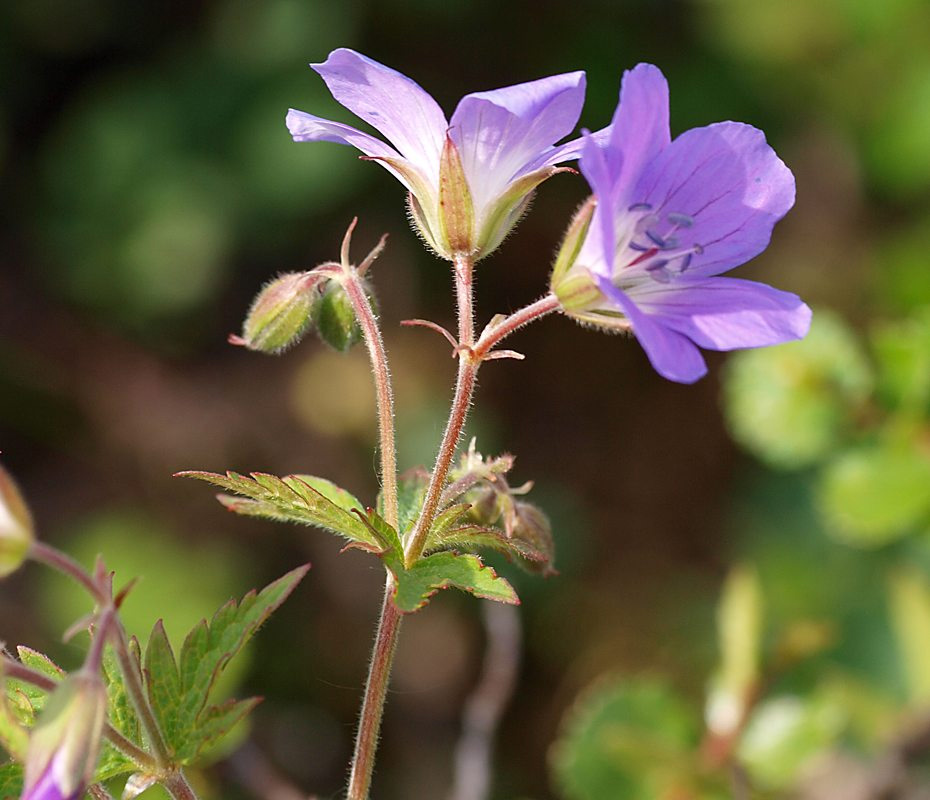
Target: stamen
{"x":657,"y":240}
{"x":658,"y":272}
{"x":681,"y":220}
{"x":685,"y":262}
{"x":659,"y":263}
{"x":640,"y":207}
{"x":639,"y":247}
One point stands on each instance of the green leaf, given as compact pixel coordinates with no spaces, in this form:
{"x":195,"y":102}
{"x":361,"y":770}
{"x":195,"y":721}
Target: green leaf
{"x":793,"y":404}
{"x":180,"y":690}
{"x":11,"y":781}
{"x":630,"y":739}
{"x":876,"y":493}
{"x":295,"y":498}
{"x":429,"y":575}
{"x":909,"y":600}
{"x":14,"y":737}
{"x":785,"y":734}
{"x":902,"y":351}
{"x":390,"y":547}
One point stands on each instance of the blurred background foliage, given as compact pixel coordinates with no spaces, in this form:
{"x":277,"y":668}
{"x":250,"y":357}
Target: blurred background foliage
{"x":149,"y":187}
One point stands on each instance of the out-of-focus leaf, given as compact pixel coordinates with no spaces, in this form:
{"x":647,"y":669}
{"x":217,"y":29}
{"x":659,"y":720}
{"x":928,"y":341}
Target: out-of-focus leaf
{"x":791,"y":405}
{"x":786,"y":733}
{"x":11,"y":780}
{"x":630,"y":739}
{"x":877,"y":493}
{"x":902,"y":350}
{"x":739,"y":629}
{"x":909,"y":601}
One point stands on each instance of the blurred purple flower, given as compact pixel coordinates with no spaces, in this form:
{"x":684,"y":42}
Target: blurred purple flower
{"x":670,"y":216}
{"x":65,"y":743}
{"x":501,"y":142}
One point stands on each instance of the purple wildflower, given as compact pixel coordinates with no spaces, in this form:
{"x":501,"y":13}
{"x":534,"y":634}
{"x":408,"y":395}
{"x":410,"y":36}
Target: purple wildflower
{"x":65,"y":742}
{"x":669,"y":217}
{"x":469,"y":178}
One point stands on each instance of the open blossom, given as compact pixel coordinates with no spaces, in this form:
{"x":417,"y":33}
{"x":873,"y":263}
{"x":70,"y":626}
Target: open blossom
{"x":670,"y":216}
{"x":470,"y":178}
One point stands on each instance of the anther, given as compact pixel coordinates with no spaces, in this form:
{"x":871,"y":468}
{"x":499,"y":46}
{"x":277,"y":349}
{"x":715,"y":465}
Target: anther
{"x":681,"y":220}
{"x":640,"y":207}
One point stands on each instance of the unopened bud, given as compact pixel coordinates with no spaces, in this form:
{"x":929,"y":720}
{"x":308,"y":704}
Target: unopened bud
{"x":532,"y":527}
{"x":16,"y":528}
{"x":281,"y":313}
{"x":65,"y":744}
{"x":335,"y":318}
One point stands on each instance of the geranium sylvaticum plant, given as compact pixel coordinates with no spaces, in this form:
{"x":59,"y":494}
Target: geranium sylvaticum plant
{"x":642,"y":255}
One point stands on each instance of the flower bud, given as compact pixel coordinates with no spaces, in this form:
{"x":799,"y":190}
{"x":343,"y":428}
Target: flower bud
{"x":65,"y":743}
{"x":16,"y":529}
{"x":335,"y":318}
{"x":281,"y":313}
{"x":532,"y":527}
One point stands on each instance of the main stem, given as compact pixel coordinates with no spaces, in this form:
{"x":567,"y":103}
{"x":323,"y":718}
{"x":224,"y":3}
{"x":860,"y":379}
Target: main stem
{"x":464,"y":390}
{"x":379,"y":670}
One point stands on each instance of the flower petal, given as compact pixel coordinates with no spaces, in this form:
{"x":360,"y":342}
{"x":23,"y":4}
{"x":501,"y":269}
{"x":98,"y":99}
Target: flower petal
{"x":673,"y":355}
{"x":726,"y":313}
{"x":639,"y":130}
{"x":573,"y":149}
{"x":730,"y":182}
{"x":390,"y":102}
{"x":598,"y":249}
{"x":308,"y":128}
{"x":501,"y":134}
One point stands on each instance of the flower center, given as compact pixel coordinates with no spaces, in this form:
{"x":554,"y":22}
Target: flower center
{"x":648,"y":241}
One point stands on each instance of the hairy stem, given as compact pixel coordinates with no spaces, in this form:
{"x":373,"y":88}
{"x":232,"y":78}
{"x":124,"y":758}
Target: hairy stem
{"x":379,"y":674}
{"x":461,"y":401}
{"x":177,"y":786}
{"x":494,"y":334}
{"x":383,"y":390}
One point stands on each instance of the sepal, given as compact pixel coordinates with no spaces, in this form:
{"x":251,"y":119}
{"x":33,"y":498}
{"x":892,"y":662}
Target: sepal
{"x":456,"y":209}
{"x":16,"y":528}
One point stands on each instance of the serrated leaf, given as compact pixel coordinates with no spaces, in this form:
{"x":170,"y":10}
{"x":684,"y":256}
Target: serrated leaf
{"x":302,"y":499}
{"x":180,"y":691}
{"x":163,"y":682}
{"x":112,"y":763}
{"x":11,"y":781}
{"x":389,"y":547}
{"x":487,"y":538}
{"x":415,"y":586}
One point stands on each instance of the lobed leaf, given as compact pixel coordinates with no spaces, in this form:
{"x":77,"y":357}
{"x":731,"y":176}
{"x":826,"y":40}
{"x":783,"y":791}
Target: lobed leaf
{"x":180,"y":689}
{"x":303,"y":499}
{"x":415,"y":586}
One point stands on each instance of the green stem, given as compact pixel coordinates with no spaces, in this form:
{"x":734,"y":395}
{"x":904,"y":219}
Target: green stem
{"x":48,"y":555}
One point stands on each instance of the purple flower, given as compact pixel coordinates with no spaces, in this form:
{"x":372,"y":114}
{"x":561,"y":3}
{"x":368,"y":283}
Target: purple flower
{"x":65,"y":743}
{"x":670,"y":216}
{"x":469,"y":178}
